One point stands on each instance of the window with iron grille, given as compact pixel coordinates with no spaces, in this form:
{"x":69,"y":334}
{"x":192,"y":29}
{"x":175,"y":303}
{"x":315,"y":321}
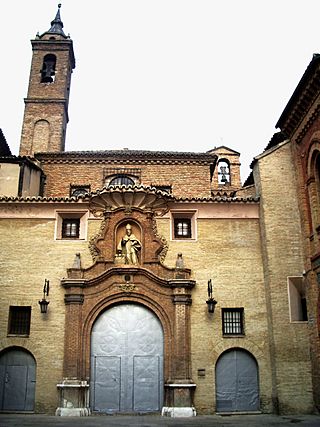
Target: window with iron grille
{"x":70,"y":228}
{"x":182,"y":228}
{"x":71,"y":225}
{"x":19,"y":320}
{"x":79,"y":190}
{"x":232,"y":321}
{"x":118,"y":176}
{"x":121,"y":180}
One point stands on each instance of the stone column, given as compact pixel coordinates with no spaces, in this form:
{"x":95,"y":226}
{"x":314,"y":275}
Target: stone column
{"x":180,"y":390}
{"x":73,"y":390}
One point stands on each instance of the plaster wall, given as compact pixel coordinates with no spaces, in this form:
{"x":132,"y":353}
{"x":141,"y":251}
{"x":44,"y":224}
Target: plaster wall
{"x":9,"y":179}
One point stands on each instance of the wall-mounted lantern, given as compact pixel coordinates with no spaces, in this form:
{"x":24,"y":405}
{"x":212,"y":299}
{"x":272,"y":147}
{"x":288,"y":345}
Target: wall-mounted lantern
{"x":44,"y":303}
{"x":211,"y":301}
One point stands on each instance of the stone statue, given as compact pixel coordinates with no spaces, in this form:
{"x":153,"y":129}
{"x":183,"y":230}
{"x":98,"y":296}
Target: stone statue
{"x":77,"y":261}
{"x":129,"y":246}
{"x":179,"y":261}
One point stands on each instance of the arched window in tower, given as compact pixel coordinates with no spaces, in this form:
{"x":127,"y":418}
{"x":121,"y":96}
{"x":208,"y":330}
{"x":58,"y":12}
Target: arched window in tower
{"x":48,"y":70}
{"x":223,"y":172}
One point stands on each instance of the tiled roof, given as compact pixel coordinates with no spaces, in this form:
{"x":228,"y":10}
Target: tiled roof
{"x":20,"y":160}
{"x":220,"y":199}
{"x":4,"y":147}
{"x":302,"y":98}
{"x":39,"y":199}
{"x":143,"y":155}
{"x":250,"y":179}
{"x":276,"y":139}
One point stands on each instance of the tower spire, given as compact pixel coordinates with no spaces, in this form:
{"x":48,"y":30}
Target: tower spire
{"x":57,"y":24}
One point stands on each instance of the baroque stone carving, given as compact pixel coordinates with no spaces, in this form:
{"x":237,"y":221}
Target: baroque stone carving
{"x":127,"y":287}
{"x":93,"y":248}
{"x":165,"y":245}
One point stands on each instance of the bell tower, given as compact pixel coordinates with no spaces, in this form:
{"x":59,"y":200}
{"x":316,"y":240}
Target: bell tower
{"x":46,"y":106}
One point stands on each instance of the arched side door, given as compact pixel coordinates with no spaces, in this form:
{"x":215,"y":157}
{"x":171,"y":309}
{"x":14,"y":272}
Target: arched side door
{"x":237,"y":384}
{"x":17,"y":380}
{"x":127,"y":361}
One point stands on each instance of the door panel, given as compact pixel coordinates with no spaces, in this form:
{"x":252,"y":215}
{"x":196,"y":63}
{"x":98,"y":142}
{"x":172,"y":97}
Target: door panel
{"x":107,"y":383}
{"x":146,"y":383}
{"x":127,"y":361}
{"x":15,"y":388}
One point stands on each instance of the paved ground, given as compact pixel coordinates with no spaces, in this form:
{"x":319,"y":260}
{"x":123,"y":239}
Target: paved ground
{"x":13,"y":420}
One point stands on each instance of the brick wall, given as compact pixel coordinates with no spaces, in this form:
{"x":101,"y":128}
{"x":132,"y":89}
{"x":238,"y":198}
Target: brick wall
{"x":228,"y":250}
{"x":186,"y":180}
{"x":282,"y":253}
{"x":47,"y":102}
{"x":28,"y":256}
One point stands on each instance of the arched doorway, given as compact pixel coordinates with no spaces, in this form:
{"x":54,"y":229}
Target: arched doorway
{"x":17,"y":380}
{"x":127,"y":361}
{"x":237,"y":385}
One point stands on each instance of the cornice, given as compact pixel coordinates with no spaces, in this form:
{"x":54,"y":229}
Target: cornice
{"x":304,"y":129}
{"x":45,"y":101}
{"x":125,"y":156}
{"x":218,"y":199}
{"x":82,"y":199}
{"x":39,"y":199}
{"x":134,"y":196}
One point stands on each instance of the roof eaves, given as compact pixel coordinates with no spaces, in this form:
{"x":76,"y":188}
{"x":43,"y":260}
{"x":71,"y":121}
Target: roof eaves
{"x":300,"y":102}
{"x":20,"y":160}
{"x":223,"y":147}
{"x":4,"y":147}
{"x":40,"y":199}
{"x":218,"y":199}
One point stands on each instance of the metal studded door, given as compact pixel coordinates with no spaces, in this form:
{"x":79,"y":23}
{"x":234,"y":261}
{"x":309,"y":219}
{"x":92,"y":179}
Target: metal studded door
{"x":127,"y":361}
{"x":237,"y":387}
{"x":17,"y":381}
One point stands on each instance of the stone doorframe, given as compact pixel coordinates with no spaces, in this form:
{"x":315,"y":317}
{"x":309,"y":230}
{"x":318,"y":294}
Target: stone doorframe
{"x":169,"y":300}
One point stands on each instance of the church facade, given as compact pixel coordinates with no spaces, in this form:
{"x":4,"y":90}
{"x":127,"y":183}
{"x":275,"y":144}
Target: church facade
{"x":149,"y":281}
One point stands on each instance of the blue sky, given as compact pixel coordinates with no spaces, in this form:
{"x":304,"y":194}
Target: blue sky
{"x":172,"y":75}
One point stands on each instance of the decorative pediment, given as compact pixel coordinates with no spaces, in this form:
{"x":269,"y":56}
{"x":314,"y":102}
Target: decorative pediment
{"x":121,"y":196}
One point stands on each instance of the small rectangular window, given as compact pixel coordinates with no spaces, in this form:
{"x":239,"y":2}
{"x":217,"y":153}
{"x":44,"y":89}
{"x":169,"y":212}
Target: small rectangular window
{"x":183,"y":224}
{"x":19,"y":320}
{"x":182,"y":228}
{"x":232,"y":321}
{"x":297,"y":299}
{"x":71,"y":225}
{"x":70,"y":228}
